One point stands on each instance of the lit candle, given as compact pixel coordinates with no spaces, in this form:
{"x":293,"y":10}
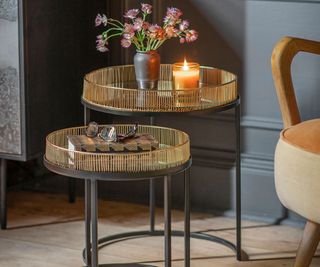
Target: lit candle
{"x":186,"y":75}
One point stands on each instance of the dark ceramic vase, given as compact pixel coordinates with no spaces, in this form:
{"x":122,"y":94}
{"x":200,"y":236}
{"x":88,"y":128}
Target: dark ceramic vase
{"x":147,"y":68}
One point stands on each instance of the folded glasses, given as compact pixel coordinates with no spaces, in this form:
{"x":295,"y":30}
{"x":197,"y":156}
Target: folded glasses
{"x":109,"y":133}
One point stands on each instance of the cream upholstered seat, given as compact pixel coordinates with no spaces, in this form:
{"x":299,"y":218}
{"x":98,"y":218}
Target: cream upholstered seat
{"x":297,"y":169}
{"x":297,"y":156}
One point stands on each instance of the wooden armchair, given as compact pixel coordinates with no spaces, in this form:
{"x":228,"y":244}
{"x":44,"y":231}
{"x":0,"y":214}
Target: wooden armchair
{"x":297,"y":156}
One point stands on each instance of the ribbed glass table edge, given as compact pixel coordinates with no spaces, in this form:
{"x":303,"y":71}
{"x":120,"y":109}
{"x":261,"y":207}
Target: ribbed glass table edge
{"x":174,"y":151}
{"x":99,"y":90}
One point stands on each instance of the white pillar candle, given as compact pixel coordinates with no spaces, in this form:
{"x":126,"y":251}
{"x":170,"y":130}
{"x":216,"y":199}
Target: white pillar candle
{"x":186,"y":75}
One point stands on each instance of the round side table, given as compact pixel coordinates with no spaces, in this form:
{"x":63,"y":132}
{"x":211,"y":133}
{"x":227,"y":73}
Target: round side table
{"x":113,"y":90}
{"x":172,"y":157}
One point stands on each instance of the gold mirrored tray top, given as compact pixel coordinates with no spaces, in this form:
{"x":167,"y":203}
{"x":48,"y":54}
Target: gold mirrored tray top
{"x":173,"y":151}
{"x":115,"y":88}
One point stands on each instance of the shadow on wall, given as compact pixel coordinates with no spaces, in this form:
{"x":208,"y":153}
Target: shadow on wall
{"x":220,"y":25}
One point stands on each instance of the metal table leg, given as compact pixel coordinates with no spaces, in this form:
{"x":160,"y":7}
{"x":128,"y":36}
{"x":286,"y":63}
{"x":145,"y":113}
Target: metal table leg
{"x":87,"y":222}
{"x":152,"y":196}
{"x":187,"y":218}
{"x":238,"y":182}
{"x":92,"y":210}
{"x":152,"y":204}
{"x":94,"y":223}
{"x":3,"y":194}
{"x":167,"y":218}
{"x":87,"y":254}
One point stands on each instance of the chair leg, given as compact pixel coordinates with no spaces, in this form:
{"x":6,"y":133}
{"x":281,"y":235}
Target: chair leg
{"x":308,"y":244}
{"x":3,"y":194}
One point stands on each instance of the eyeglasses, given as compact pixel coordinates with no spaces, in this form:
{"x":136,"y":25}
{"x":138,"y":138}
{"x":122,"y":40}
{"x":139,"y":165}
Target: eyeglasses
{"x":109,"y":133}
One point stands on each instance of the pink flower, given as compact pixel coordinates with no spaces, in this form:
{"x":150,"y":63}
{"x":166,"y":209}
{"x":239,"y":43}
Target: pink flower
{"x":173,"y":16}
{"x":136,"y":31}
{"x":128,"y":31}
{"x":171,"y":32}
{"x":184,"y":25}
{"x":128,"y":36}
{"x":152,"y":31}
{"x":191,"y":36}
{"x":102,"y":49}
{"x":125,"y":43}
{"x":100,"y":38}
{"x":138,"y":24}
{"x":146,"y":8}
{"x":156,"y":32}
{"x":128,"y":27}
{"x":174,"y":12}
{"x":145,"y":25}
{"x":101,"y":44}
{"x":131,"y":14}
{"x":101,"y":20}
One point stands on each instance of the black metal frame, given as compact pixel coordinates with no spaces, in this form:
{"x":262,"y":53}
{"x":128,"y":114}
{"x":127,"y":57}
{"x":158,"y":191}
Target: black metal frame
{"x":240,"y":254}
{"x":151,"y":114}
{"x":92,"y":243}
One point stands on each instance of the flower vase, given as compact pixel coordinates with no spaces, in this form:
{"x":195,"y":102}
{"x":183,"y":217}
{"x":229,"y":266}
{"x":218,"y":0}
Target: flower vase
{"x":147,"y":69}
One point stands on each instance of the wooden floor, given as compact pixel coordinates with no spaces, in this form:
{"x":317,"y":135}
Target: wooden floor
{"x":46,"y":231}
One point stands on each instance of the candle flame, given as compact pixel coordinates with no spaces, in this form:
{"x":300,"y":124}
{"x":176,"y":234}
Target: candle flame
{"x":185,"y":65}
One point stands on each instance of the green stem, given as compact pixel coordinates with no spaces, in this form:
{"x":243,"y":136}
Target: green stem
{"x":153,"y":43}
{"x":115,"y":29}
{"x":148,"y":44}
{"x":113,"y":35}
{"x":115,"y":20}
{"x":159,"y":44}
{"x":136,"y":43}
{"x":140,"y":40}
{"x":156,"y":44}
{"x":142,"y":46}
{"x":115,"y":25}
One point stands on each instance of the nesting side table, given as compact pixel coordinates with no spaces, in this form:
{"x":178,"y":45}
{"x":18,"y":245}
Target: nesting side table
{"x":172,"y":157}
{"x":113,"y":90}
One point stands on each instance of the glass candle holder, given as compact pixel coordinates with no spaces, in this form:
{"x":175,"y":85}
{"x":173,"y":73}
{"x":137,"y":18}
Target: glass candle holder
{"x":186,"y":75}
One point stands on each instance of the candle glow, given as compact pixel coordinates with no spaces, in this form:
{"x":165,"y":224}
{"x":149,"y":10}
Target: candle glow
{"x":186,"y":75}
{"x":185,"y":65}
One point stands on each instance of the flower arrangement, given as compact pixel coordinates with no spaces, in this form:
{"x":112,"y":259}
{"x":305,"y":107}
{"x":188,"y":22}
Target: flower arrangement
{"x":138,"y":31}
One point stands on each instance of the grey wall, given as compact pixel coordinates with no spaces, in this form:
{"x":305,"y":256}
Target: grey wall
{"x":239,"y":36}
{"x":266,"y":23}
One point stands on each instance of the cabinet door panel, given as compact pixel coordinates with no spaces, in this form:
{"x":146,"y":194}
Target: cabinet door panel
{"x":10,"y":119}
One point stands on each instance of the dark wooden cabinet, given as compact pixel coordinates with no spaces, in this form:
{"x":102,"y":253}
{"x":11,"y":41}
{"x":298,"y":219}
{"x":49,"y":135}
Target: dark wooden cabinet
{"x":49,"y":45}
{"x":46,"y":48}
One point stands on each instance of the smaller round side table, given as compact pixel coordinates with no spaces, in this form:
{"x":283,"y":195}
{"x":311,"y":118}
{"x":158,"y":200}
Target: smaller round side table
{"x":172,"y":157}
